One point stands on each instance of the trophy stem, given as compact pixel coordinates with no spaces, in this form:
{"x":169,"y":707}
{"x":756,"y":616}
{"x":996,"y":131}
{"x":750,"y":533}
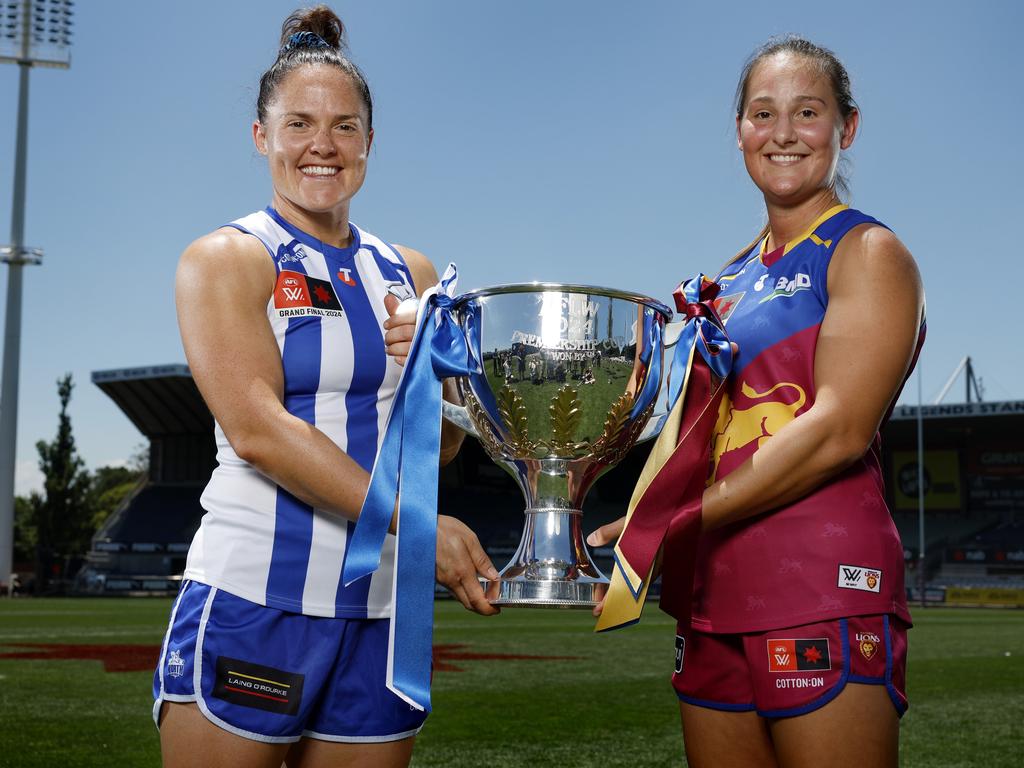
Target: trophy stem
{"x":552,"y":566}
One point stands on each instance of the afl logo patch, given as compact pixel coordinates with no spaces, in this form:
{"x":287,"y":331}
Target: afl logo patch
{"x":680,"y":652}
{"x":299,"y":295}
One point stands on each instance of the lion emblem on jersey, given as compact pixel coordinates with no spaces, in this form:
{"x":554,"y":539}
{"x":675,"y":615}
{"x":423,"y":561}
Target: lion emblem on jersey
{"x":739,"y":427}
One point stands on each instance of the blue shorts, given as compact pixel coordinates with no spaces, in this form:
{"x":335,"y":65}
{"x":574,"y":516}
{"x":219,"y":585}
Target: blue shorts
{"x":274,"y":676}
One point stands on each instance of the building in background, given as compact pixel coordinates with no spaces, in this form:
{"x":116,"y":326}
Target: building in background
{"x":974,"y":493}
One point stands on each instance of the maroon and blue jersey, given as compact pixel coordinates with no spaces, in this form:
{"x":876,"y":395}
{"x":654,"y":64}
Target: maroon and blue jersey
{"x":836,"y":551}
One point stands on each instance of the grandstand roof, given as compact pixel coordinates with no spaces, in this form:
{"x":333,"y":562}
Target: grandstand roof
{"x":160,"y":400}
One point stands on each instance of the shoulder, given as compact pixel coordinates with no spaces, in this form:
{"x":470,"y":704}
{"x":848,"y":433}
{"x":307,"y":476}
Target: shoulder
{"x":423,"y":273}
{"x":227,"y":250}
{"x":872,"y":252}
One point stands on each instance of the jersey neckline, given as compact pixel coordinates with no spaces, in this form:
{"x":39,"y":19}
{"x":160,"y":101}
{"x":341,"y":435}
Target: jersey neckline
{"x":800,"y":238}
{"x":330,"y":251}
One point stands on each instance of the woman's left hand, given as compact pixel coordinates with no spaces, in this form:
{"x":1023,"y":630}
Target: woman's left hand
{"x":399,"y":327}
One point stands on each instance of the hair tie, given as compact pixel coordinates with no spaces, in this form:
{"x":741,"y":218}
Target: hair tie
{"x":304,"y":40}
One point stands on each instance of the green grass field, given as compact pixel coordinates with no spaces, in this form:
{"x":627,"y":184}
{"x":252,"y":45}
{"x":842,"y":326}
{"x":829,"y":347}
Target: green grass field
{"x":966,"y":686}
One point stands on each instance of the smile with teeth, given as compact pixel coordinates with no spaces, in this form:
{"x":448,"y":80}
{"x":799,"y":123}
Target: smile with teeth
{"x":319,"y":170}
{"x":785,"y":159}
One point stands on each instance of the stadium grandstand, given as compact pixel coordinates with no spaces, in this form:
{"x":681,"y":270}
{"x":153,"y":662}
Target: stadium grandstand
{"x":141,"y":547}
{"x":973,"y":494}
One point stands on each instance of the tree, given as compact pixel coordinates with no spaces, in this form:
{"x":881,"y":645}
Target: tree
{"x":62,"y":514}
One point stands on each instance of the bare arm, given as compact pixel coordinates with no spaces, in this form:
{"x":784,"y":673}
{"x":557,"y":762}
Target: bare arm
{"x":865,"y":346}
{"x":236,"y":363}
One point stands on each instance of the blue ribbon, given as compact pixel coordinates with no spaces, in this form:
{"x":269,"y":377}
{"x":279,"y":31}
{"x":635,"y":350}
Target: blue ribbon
{"x":650,"y":341}
{"x":703,"y":328}
{"x":406,"y":469}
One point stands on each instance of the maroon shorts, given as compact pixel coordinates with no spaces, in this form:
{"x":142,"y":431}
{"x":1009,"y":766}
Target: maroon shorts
{"x":787,"y":672}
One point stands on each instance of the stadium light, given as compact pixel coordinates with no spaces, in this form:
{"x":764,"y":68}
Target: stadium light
{"x":32,"y":33}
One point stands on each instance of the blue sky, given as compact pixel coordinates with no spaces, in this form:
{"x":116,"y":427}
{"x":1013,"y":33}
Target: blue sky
{"x":577,"y":141}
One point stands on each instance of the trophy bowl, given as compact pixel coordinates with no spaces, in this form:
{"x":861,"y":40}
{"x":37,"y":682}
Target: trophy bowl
{"x":568,"y":383}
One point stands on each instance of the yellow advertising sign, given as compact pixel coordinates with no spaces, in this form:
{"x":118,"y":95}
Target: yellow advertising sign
{"x":941,"y":480}
{"x":990,"y":596}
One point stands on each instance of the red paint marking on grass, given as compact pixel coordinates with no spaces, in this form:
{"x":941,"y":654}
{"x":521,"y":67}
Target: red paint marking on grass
{"x":443,"y":654}
{"x":115,"y":658}
{"x":140,"y":658}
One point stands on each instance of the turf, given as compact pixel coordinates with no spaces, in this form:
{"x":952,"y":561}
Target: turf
{"x":966,"y":685}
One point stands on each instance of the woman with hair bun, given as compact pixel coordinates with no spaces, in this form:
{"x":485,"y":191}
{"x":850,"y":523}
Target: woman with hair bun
{"x":290,"y":322}
{"x":795,"y":654}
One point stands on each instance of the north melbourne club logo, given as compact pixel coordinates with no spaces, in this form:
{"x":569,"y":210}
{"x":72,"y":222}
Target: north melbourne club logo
{"x":859,"y":577}
{"x":175,"y":664}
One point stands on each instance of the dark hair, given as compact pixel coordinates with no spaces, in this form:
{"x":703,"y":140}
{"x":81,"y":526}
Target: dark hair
{"x":312,"y":36}
{"x":822,"y":59}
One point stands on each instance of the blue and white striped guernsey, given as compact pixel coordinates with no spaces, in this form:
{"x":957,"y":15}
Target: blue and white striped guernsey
{"x":256,"y":540}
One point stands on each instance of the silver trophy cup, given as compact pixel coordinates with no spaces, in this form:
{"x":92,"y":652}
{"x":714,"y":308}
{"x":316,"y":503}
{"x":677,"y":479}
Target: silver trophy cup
{"x":569,"y":382}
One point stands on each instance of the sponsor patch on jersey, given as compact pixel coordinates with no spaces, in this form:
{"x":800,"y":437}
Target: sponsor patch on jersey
{"x":859,"y":577}
{"x":868,"y":644}
{"x":345,"y":275}
{"x":257,"y":686}
{"x":726,"y":305}
{"x":790,"y":655}
{"x":290,"y":252}
{"x":680,"y":652}
{"x":299,"y":295}
{"x":788,"y":286}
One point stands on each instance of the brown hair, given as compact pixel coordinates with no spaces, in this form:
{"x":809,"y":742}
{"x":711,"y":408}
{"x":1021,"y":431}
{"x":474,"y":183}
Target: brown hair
{"x":822,"y":59}
{"x":312,"y":36}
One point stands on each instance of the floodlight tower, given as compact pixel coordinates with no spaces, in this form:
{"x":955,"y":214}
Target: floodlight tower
{"x":32,"y":33}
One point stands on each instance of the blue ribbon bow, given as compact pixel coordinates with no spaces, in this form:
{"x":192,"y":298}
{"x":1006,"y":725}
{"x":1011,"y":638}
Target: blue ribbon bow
{"x":406,"y":469}
{"x":703,"y":328}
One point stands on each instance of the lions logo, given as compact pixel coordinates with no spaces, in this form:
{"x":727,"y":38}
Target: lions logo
{"x":868,"y":644}
{"x":738,"y":427}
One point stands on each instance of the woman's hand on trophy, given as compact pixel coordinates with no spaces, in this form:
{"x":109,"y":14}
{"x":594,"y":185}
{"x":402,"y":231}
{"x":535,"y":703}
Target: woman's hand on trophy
{"x":606,"y":534}
{"x":459,"y":559}
{"x":400,"y":327}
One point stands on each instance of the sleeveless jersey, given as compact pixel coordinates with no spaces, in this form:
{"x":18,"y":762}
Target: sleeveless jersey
{"x":836,"y":551}
{"x":256,"y":540}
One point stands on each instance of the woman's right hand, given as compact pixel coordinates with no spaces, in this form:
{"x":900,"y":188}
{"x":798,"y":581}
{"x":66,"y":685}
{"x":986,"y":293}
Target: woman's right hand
{"x":460,"y":558}
{"x":603,"y":536}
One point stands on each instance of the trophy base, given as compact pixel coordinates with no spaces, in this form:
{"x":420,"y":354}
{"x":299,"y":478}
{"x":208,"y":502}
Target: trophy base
{"x":531,"y":593}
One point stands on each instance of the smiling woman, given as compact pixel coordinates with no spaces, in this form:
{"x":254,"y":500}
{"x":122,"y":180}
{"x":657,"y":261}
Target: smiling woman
{"x":796,"y":651}
{"x":270,"y":657}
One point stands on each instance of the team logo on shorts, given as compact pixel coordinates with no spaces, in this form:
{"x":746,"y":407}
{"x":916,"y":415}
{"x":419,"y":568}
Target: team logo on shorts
{"x":868,"y":644}
{"x":175,"y":664}
{"x":790,"y":655}
{"x":680,"y":651}
{"x":859,"y":577}
{"x":258,"y":686}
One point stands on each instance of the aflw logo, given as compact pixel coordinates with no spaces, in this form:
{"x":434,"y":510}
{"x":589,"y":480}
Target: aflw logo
{"x":859,"y":577}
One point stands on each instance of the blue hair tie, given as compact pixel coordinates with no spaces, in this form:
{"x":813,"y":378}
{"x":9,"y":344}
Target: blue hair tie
{"x":305,"y":40}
